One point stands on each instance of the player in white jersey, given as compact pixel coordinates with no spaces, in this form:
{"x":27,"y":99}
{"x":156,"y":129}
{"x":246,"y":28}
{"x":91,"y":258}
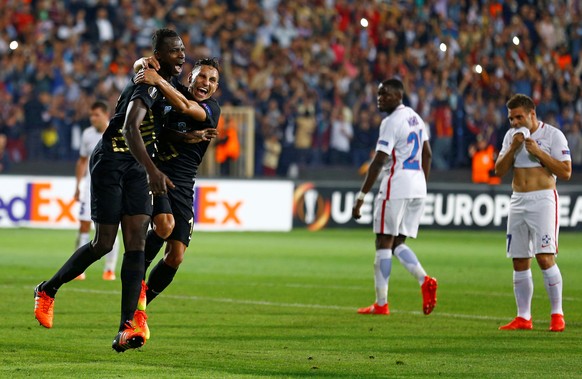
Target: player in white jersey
{"x":538,"y":153}
{"x":403,"y":153}
{"x":99,"y":116}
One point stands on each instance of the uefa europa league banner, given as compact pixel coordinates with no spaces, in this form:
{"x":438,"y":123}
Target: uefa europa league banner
{"x":447,"y":206}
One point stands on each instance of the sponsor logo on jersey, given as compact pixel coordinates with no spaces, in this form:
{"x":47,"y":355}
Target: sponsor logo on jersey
{"x":382,"y":142}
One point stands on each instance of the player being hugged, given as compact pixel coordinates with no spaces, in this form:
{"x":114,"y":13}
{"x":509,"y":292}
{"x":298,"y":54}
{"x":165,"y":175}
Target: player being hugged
{"x":187,"y":132}
{"x":538,"y":153}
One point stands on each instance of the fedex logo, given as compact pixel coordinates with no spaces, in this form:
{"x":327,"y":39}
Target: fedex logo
{"x":219,"y":205}
{"x":36,"y":202}
{"x":212,"y":208}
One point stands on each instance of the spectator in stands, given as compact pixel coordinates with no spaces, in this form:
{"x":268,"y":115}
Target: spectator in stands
{"x":36,"y":121}
{"x":272,"y":151}
{"x":341,"y":136}
{"x":4,"y":161}
{"x":574,"y":136}
{"x":365,"y":137}
{"x":483,"y":155}
{"x":227,"y":148}
{"x":305,"y":124}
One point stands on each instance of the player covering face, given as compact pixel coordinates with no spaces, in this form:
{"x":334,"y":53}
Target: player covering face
{"x":537,"y":153}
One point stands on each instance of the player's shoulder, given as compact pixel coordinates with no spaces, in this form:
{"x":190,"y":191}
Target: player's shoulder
{"x":211,"y":106}
{"x":551,"y":131}
{"x":149,"y":94}
{"x":89,"y":132}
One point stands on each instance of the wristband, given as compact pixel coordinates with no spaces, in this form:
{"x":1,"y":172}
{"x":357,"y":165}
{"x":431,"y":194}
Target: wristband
{"x":360,"y":196}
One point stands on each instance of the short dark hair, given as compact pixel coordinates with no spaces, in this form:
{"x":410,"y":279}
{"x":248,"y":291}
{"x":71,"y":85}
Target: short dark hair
{"x":521,"y":100}
{"x":100,"y":104}
{"x":160,"y":35}
{"x":394,"y":84}
{"x":207,"y":62}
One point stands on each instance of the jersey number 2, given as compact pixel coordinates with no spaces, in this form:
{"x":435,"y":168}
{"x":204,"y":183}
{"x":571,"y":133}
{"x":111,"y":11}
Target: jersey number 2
{"x":411,"y":163}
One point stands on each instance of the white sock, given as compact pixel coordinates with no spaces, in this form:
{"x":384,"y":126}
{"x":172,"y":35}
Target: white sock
{"x":523,"y":291}
{"x":553,"y":284}
{"x":382,"y":269}
{"x":82,"y":239}
{"x":409,"y":260}
{"x":111,"y":257}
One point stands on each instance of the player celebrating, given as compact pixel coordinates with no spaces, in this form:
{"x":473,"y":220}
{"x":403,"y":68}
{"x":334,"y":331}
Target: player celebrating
{"x":538,"y":153}
{"x":99,"y":116}
{"x":403,"y":153}
{"x":173,"y":216}
{"x":123,"y":179}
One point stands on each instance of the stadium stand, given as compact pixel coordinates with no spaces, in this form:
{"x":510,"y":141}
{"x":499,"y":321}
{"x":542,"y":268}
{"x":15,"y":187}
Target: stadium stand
{"x":297,"y":63}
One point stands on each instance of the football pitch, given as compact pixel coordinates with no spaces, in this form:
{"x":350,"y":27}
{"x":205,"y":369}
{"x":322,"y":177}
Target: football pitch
{"x":283,"y":305}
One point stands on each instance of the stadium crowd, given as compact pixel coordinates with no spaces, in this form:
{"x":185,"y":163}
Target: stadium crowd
{"x":309,"y":68}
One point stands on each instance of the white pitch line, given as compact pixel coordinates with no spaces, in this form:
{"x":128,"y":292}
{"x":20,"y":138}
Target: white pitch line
{"x":296,"y":305}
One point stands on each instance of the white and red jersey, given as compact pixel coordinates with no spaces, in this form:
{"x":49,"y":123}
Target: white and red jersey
{"x":402,"y":135}
{"x":89,"y":140}
{"x":550,"y":139}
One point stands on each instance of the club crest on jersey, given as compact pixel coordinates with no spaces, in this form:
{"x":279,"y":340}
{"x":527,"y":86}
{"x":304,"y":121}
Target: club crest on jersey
{"x":546,"y":239}
{"x":167,"y":109}
{"x":153,"y":92}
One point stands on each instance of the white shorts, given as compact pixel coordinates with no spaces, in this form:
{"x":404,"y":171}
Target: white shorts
{"x":85,"y":200}
{"x":532,"y":225}
{"x":399,"y":216}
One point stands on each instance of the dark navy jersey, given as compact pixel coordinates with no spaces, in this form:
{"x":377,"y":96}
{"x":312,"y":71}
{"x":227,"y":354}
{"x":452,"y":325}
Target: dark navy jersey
{"x":180,"y":160}
{"x":113,"y":139}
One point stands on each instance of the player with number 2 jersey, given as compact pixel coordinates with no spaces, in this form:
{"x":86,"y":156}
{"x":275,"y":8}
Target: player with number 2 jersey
{"x":402,"y":136}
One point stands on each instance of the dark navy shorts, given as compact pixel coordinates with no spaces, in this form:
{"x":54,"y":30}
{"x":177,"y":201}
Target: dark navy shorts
{"x":119,"y":187}
{"x":178,"y":201}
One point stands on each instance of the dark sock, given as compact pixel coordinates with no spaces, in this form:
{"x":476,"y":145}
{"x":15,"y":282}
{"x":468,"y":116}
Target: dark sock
{"x":77,"y":264}
{"x":152,"y":246}
{"x":132,"y":270}
{"x":160,"y":278}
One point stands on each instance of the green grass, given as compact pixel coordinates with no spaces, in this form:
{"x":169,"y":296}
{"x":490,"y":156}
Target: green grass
{"x":251,"y":305}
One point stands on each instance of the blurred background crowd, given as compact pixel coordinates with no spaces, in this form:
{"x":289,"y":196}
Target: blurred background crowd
{"x":309,"y":68}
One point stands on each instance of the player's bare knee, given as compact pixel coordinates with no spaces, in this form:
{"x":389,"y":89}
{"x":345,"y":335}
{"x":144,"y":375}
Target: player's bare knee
{"x":384,"y":241}
{"x":85,"y":227}
{"x":545,"y":261}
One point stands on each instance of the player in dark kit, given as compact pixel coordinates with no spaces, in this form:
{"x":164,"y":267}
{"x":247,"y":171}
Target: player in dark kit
{"x":123,"y":178}
{"x":193,"y":111}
